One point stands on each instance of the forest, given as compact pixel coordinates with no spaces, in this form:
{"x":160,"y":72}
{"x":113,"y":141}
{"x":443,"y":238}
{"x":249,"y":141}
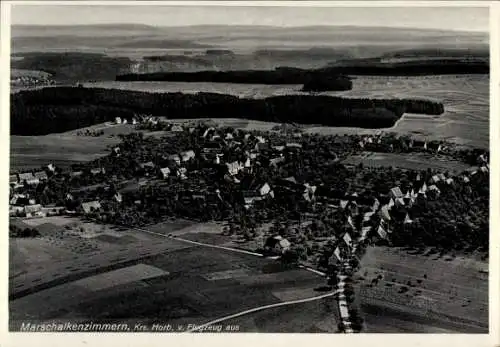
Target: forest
{"x":280,"y":75}
{"x":60,"y":109}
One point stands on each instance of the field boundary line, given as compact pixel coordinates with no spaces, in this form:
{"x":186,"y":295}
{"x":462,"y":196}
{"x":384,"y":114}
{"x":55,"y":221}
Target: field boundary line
{"x":200,"y":243}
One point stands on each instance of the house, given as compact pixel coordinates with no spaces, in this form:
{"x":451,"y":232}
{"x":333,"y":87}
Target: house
{"x":134,"y":121}
{"x":384,"y":212}
{"x":465,"y":179}
{"x":277,"y":244}
{"x":367,"y":216}
{"x":217,"y":158}
{"x":264,"y":189}
{"x":175,"y":158}
{"x":76,"y":173}
{"x":96,"y":171}
{"x":248,"y":163}
{"x":365,"y":231}
{"x":449,"y":181}
{"x":31,"y":209}
{"x":435,"y":189}
{"x":249,"y":200}
{"x":165,"y":172}
{"x":293,"y":146}
{"x":229,"y":136}
{"x":181,"y":172}
{"x":147,"y":165}
{"x":51,"y":167}
{"x":434,"y":146}
{"x":13,"y":179}
{"x":484,"y":169}
{"x":41,"y":175}
{"x":278,"y":148}
{"x":91,"y":206}
{"x":277,"y":160}
{"x":347,"y":239}
{"x":187,"y":155}
{"x":234,"y":167}
{"x":395,"y":193}
{"x":118,"y":197}
{"x":399,"y":202}
{"x":261,"y":146}
{"x":176,"y":128}
{"x":118,"y":120}
{"x":407,"y":219}
{"x":26,"y":176}
{"x":309,"y":192}
{"x":418,"y":144}
{"x":208,"y":132}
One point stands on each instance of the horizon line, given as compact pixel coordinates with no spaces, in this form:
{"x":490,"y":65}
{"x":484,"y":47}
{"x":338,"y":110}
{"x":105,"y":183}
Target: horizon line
{"x":251,"y":26}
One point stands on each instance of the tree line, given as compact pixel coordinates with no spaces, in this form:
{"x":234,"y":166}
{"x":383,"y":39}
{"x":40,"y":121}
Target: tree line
{"x":59,"y":109}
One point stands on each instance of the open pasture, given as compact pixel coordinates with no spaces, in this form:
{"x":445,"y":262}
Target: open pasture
{"x":448,"y":294}
{"x":413,"y":161}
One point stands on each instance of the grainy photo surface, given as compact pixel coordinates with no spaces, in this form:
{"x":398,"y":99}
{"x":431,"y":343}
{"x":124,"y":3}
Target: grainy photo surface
{"x":229,"y":169}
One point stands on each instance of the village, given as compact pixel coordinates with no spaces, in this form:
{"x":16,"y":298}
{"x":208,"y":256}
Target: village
{"x":285,"y":188}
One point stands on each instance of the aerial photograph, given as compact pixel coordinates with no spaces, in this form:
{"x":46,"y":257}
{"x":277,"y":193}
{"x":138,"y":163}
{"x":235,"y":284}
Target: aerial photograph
{"x":237,"y":169}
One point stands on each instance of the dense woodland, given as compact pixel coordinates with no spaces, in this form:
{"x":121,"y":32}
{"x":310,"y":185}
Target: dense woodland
{"x":59,"y":109}
{"x":314,"y":79}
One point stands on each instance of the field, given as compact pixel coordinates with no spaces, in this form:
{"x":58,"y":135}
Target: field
{"x":414,"y":161}
{"x":67,"y":148}
{"x":152,"y":279}
{"x":417,"y":293}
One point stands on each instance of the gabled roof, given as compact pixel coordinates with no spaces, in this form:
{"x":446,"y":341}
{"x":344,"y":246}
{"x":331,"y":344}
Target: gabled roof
{"x":87,"y":206}
{"x":26,"y":176}
{"x":396,"y":192}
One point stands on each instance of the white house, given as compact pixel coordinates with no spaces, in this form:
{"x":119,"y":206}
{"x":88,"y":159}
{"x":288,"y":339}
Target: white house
{"x":165,"y":172}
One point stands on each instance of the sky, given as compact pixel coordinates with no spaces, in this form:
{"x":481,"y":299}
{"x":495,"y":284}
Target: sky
{"x":445,"y":18}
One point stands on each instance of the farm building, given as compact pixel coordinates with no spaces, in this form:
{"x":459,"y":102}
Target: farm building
{"x":278,"y":148}
{"x":91,"y":206}
{"x":277,"y":244}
